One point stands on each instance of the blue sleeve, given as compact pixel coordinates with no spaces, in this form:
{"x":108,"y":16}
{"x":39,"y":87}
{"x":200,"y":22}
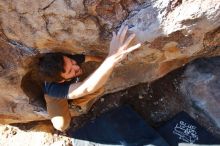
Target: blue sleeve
{"x":57,"y":90}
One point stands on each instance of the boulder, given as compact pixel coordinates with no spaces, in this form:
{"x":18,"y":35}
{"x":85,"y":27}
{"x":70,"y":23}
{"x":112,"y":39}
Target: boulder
{"x":172,"y":34}
{"x":201,"y":85}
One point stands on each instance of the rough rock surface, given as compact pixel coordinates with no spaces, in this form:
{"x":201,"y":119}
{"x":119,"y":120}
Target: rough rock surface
{"x":201,"y":84}
{"x":172,"y":32}
{"x":156,"y":103}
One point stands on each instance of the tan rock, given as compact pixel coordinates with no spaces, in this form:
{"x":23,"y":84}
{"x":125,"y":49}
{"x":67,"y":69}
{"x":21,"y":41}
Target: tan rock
{"x":172,"y":32}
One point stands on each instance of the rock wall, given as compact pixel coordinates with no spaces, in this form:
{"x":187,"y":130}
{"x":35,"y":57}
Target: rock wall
{"x":201,"y":85}
{"x":172,"y":34}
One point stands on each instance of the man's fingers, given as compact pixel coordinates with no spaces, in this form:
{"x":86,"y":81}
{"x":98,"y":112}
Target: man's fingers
{"x":129,"y":39}
{"x":123,"y":33}
{"x":113,"y":37}
{"x":120,"y":31}
{"x":121,"y":56}
{"x":133,"y":48}
{"x":113,"y":34}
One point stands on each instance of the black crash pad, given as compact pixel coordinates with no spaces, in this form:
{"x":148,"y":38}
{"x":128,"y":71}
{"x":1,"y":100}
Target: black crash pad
{"x":183,"y":129}
{"x":121,"y":126}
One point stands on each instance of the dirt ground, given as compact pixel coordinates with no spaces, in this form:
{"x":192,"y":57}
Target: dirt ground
{"x":155,"y":102}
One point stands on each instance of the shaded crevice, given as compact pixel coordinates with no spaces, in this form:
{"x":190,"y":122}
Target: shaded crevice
{"x":3,"y":35}
{"x":44,"y":8}
{"x":24,"y":50}
{"x":138,"y":9}
{"x":172,"y":5}
{"x":2,"y":69}
{"x":33,"y":88}
{"x":24,"y":20}
{"x":46,"y":25}
{"x":191,"y":21}
{"x":13,"y":56}
{"x":13,"y":107}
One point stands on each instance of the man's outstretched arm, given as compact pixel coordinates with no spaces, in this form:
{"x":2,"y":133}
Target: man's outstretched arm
{"x":117,"y":52}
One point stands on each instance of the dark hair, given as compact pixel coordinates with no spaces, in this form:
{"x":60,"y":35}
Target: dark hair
{"x":50,"y":66}
{"x":42,"y":67}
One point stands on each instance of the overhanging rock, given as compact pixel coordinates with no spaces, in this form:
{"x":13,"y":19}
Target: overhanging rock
{"x":172,"y":34}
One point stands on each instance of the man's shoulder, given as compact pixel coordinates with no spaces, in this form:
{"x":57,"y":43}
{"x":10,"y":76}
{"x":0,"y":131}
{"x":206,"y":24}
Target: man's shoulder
{"x":58,"y":90}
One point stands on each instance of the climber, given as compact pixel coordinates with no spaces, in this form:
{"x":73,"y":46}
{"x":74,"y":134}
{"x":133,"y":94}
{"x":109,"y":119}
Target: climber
{"x":61,"y":72}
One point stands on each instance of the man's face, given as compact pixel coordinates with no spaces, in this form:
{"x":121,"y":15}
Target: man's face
{"x":71,"y":69}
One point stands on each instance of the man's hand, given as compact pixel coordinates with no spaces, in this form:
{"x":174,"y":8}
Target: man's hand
{"x":119,"y":46}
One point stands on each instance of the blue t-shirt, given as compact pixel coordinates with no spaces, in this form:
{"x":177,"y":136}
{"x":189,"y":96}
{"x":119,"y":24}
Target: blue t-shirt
{"x":60,"y":90}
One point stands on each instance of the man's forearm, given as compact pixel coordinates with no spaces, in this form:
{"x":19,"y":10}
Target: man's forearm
{"x":94,"y":81}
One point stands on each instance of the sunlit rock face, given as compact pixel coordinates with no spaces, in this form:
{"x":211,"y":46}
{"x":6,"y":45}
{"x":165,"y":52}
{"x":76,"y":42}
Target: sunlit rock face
{"x":172,"y":33}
